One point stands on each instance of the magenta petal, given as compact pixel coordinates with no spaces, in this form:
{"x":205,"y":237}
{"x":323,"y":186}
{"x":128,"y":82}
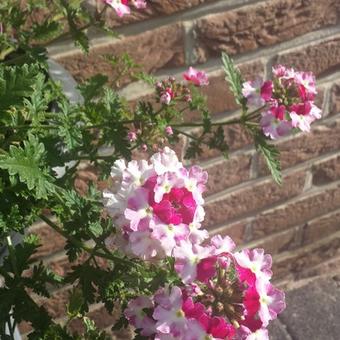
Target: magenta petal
{"x":206,"y":269}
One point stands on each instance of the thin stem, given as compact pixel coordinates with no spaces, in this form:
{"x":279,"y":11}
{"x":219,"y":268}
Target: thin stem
{"x":186,"y":134}
{"x":254,"y":113}
{"x":107,"y":255}
{"x":52,"y":126}
{"x":228,"y":122}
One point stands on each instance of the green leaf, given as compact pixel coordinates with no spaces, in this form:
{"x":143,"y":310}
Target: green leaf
{"x":69,"y":128}
{"x":95,"y":228}
{"x":234,"y":78}
{"x":271,"y":156}
{"x":73,"y":14}
{"x":75,"y":304}
{"x":27,"y":163}
{"x":16,"y":83}
{"x":148,"y":79}
{"x":93,"y":87}
{"x":46,"y":30}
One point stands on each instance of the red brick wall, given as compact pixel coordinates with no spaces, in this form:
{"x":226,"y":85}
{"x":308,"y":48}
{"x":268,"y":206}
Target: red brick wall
{"x":299,"y":222}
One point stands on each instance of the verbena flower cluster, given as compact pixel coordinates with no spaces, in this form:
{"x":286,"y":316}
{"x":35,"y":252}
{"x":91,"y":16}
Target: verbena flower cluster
{"x":287,"y":100}
{"x":158,"y":209}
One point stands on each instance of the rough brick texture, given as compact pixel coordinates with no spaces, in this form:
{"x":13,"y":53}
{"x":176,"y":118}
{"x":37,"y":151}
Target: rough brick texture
{"x":227,"y":173}
{"x":296,"y":212}
{"x":335,"y":99}
{"x":155,"y":9}
{"x":252,"y":198}
{"x":263,"y":24}
{"x":154,"y":49}
{"x":322,"y":58}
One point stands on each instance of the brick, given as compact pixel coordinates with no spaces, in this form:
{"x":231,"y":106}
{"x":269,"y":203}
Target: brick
{"x":252,"y":198}
{"x":294,"y":264}
{"x":322,"y":139}
{"x":279,"y":242}
{"x":326,"y":171}
{"x":322,"y":59}
{"x":320,"y":96}
{"x":335,"y":99}
{"x":297,"y":212}
{"x":263,"y":24}
{"x":155,"y":8}
{"x":153,"y":50}
{"x":84,"y":178}
{"x":227,"y":173}
{"x":50,"y":241}
{"x":236,"y":231}
{"x":324,"y":268}
{"x":321,"y":227}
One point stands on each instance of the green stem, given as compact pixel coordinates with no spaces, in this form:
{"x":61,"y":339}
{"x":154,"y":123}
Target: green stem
{"x":228,"y":122}
{"x":186,"y":134}
{"x":254,"y":113}
{"x":92,"y":251}
{"x":52,"y":126}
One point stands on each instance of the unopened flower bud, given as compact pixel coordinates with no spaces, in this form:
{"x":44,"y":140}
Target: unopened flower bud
{"x":165,"y":98}
{"x":132,"y":136}
{"x":169,"y":131}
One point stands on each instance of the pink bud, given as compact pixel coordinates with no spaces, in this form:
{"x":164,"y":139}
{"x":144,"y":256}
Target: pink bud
{"x":169,"y":131}
{"x":132,"y":137}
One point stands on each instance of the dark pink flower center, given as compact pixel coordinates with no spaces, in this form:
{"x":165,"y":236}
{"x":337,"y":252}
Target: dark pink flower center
{"x":177,"y":206}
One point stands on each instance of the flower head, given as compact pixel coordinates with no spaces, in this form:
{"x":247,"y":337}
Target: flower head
{"x":198,"y":78}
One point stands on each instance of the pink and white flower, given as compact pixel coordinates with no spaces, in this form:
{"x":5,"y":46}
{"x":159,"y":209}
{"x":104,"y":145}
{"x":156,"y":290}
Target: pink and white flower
{"x":198,"y":78}
{"x":289,"y":100}
{"x":257,"y":92}
{"x":120,"y":6}
{"x":255,"y":264}
{"x":137,"y":317}
{"x":140,"y":4}
{"x":187,"y":257}
{"x":169,"y":316}
{"x":166,"y":97}
{"x":273,"y":127}
{"x":158,"y":205}
{"x":271,"y":301}
{"x":245,"y":333}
